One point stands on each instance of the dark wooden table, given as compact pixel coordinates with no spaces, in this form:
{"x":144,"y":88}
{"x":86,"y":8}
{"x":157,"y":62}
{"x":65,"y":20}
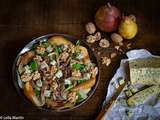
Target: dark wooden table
{"x":23,"y":20}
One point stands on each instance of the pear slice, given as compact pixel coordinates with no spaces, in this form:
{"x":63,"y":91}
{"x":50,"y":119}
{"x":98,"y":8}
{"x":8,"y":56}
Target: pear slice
{"x":59,"y":40}
{"x":88,"y":84}
{"x":30,"y":94}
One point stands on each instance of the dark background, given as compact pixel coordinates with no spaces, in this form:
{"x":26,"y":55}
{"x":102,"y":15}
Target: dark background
{"x":23,"y":20}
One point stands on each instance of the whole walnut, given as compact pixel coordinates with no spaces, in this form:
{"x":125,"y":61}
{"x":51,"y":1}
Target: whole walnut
{"x":116,"y":38}
{"x":90,"y":28}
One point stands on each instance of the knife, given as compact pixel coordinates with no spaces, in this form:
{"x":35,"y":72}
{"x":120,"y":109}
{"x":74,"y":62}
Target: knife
{"x":109,"y":104}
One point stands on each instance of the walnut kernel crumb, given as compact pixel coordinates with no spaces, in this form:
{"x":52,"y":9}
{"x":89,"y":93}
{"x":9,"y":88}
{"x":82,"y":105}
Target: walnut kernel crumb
{"x":106,"y":61}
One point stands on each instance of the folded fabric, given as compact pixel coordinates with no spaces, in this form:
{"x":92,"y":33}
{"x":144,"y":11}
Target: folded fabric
{"x":145,"y":108}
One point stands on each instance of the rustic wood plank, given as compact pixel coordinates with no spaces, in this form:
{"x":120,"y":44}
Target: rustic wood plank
{"x":23,"y":20}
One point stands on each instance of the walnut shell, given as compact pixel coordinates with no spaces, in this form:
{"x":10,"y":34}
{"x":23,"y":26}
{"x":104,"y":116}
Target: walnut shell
{"x":90,"y":28}
{"x":116,"y":38}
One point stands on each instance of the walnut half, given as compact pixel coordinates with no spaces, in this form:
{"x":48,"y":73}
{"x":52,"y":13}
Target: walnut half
{"x":104,"y":43}
{"x":91,"y":39}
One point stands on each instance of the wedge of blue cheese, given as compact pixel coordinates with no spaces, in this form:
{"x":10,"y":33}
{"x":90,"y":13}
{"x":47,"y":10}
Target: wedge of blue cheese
{"x":145,"y":71}
{"x":141,"y":96}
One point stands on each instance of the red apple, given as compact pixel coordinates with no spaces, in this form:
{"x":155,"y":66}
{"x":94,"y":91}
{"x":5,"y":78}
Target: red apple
{"x":107,"y":18}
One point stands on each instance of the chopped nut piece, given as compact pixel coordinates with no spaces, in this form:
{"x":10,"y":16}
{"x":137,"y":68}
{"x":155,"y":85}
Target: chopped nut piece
{"x":98,"y":36}
{"x":44,"y":65}
{"x":53,"y":69}
{"x":36,"y":75}
{"x":76,"y":73}
{"x":91,"y":39}
{"x":90,"y":28}
{"x":113,"y":55}
{"x":54,"y":86}
{"x":121,"y":51}
{"x":116,"y":38}
{"x":64,"y":56}
{"x":133,"y":17}
{"x":26,"y":77}
{"x":71,"y":49}
{"x":117,"y":47}
{"x":121,"y":44}
{"x":38,"y":58}
{"x":98,"y":53}
{"x":106,"y":61}
{"x":104,"y":43}
{"x":129,"y":46}
{"x":40,"y":50}
{"x":72,"y":97}
{"x":94,"y":71}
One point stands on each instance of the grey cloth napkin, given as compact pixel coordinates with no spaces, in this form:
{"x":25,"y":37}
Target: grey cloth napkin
{"x":120,"y":110}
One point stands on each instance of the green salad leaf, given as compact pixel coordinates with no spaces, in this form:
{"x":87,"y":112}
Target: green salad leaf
{"x":76,"y":53}
{"x":58,"y":50}
{"x":37,"y":92}
{"x":34,"y":46}
{"x":33,"y":65}
{"x":81,"y":97}
{"x":46,"y":43}
{"x":80,"y":67}
{"x":81,"y":81}
{"x":68,"y":86}
{"x":78,"y":42}
{"x":53,"y":57}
